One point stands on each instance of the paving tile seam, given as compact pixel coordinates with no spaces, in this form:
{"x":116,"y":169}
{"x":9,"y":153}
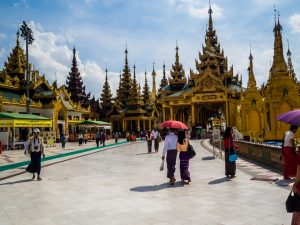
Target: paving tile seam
{"x":82,"y":154}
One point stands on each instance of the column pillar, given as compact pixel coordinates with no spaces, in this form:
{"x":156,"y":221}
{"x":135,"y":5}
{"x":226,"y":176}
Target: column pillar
{"x":171,"y":113}
{"x":227,"y":112}
{"x":193,"y":114}
{"x":149,"y":122}
{"x":138,"y":125}
{"x":164,"y":113}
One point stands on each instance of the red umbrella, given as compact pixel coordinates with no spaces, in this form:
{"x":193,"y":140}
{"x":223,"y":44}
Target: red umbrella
{"x":174,"y":124}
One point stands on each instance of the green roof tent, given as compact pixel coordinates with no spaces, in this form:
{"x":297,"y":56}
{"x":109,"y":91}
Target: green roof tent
{"x":95,"y":123}
{"x":17,"y":120}
{"x":20,"y":116}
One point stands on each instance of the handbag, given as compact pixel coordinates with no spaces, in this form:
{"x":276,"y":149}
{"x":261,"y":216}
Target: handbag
{"x":232,"y":157}
{"x":292,"y":203}
{"x":191,"y":152}
{"x":161,"y":168}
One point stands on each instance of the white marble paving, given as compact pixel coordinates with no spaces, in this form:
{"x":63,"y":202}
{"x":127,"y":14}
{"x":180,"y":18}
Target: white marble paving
{"x":124,"y":186}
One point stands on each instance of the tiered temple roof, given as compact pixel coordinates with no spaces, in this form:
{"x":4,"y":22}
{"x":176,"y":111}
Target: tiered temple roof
{"x":106,"y":96}
{"x":146,"y":92}
{"x":125,"y":84}
{"x":75,"y":84}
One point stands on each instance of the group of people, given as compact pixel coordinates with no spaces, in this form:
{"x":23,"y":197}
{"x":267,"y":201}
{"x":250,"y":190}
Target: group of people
{"x":176,"y":142}
{"x":100,"y":138}
{"x":153,"y":136}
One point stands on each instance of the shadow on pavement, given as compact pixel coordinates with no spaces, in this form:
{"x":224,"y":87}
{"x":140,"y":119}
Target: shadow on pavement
{"x":156,"y":187}
{"x":17,"y":182}
{"x":208,"y":158}
{"x":219,"y":181}
{"x":145,"y":153}
{"x":284,"y":183}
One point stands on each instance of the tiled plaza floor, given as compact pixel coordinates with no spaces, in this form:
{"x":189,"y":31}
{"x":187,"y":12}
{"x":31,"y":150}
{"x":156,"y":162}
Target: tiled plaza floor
{"x":123,"y":185}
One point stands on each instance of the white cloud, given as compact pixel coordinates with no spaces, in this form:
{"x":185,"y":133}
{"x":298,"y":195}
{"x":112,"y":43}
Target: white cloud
{"x":294,"y":22}
{"x":201,"y":13}
{"x":51,"y":55}
{"x":2,"y":36}
{"x":267,"y":4}
{"x":195,"y":9}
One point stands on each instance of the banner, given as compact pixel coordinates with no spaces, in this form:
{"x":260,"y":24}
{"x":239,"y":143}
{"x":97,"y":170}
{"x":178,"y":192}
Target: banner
{"x":25,"y":123}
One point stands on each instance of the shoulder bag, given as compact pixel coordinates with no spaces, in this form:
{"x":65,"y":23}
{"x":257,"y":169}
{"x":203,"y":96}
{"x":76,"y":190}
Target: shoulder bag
{"x":191,"y":152}
{"x":232,"y":157}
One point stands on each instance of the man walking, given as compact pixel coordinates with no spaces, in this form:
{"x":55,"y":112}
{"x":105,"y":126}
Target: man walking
{"x":171,"y":152}
{"x":156,"y":136}
{"x":35,"y":148}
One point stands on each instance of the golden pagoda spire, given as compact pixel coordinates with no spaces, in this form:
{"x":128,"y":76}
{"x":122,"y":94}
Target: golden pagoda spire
{"x":164,"y":81}
{"x":146,"y":92}
{"x":153,"y":83}
{"x":279,"y":64}
{"x":178,"y":79}
{"x":210,"y":21}
{"x":251,"y":79}
{"x":290,"y":65}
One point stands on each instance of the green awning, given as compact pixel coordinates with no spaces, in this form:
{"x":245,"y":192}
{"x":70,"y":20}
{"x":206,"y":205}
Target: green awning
{"x":20,"y":116}
{"x":94,"y":122}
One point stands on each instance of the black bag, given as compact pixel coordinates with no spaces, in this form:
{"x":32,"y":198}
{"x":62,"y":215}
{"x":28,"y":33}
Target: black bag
{"x":191,"y":152}
{"x":292,"y":203}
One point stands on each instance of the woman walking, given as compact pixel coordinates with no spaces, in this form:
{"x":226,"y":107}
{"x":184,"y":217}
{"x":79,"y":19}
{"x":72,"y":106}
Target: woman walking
{"x":149,"y":138}
{"x":182,"y":148}
{"x":36,"y":150}
{"x":229,"y":146}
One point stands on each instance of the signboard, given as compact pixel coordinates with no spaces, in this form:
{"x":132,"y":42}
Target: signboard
{"x":25,"y":123}
{"x":208,"y":97}
{"x":49,"y":138}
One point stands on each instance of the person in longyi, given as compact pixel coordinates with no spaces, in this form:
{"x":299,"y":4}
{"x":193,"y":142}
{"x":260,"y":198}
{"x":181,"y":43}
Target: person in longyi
{"x":35,"y":148}
{"x":170,"y":152}
{"x":229,"y":146}
{"x":182,"y":148}
{"x":289,"y":153}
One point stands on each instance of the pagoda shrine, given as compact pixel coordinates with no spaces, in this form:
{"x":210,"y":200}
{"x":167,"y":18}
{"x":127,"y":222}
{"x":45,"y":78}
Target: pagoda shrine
{"x":47,"y":99}
{"x":132,"y":111}
{"x":210,"y":92}
{"x":257,"y":110}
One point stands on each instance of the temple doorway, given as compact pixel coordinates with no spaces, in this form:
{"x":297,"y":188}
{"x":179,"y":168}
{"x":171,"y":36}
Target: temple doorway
{"x":207,"y":114}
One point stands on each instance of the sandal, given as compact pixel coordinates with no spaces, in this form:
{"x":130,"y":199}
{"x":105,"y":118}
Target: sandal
{"x":39,"y":179}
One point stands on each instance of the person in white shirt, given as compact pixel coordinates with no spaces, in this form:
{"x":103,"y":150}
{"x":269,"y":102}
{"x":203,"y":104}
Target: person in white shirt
{"x":171,"y":152}
{"x":35,"y":148}
{"x":290,"y":155}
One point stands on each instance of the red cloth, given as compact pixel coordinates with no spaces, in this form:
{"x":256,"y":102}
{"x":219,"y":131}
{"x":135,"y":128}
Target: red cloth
{"x":227,"y":141}
{"x":291,"y":160}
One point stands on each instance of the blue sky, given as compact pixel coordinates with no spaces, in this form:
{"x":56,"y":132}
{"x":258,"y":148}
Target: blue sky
{"x":101,"y":28}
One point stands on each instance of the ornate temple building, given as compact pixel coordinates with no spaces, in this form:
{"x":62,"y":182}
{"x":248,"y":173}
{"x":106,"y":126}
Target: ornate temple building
{"x":258,"y":109}
{"x":46,"y":99}
{"x":132,"y":111}
{"x":210,"y":92}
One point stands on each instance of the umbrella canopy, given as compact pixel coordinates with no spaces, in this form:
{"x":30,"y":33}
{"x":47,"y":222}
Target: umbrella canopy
{"x":290,"y":117}
{"x":174,"y":124}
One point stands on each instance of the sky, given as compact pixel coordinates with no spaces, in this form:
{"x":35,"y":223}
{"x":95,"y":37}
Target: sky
{"x":101,"y":29}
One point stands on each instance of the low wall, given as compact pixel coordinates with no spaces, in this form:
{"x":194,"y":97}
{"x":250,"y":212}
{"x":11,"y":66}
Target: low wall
{"x":265,"y":154}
